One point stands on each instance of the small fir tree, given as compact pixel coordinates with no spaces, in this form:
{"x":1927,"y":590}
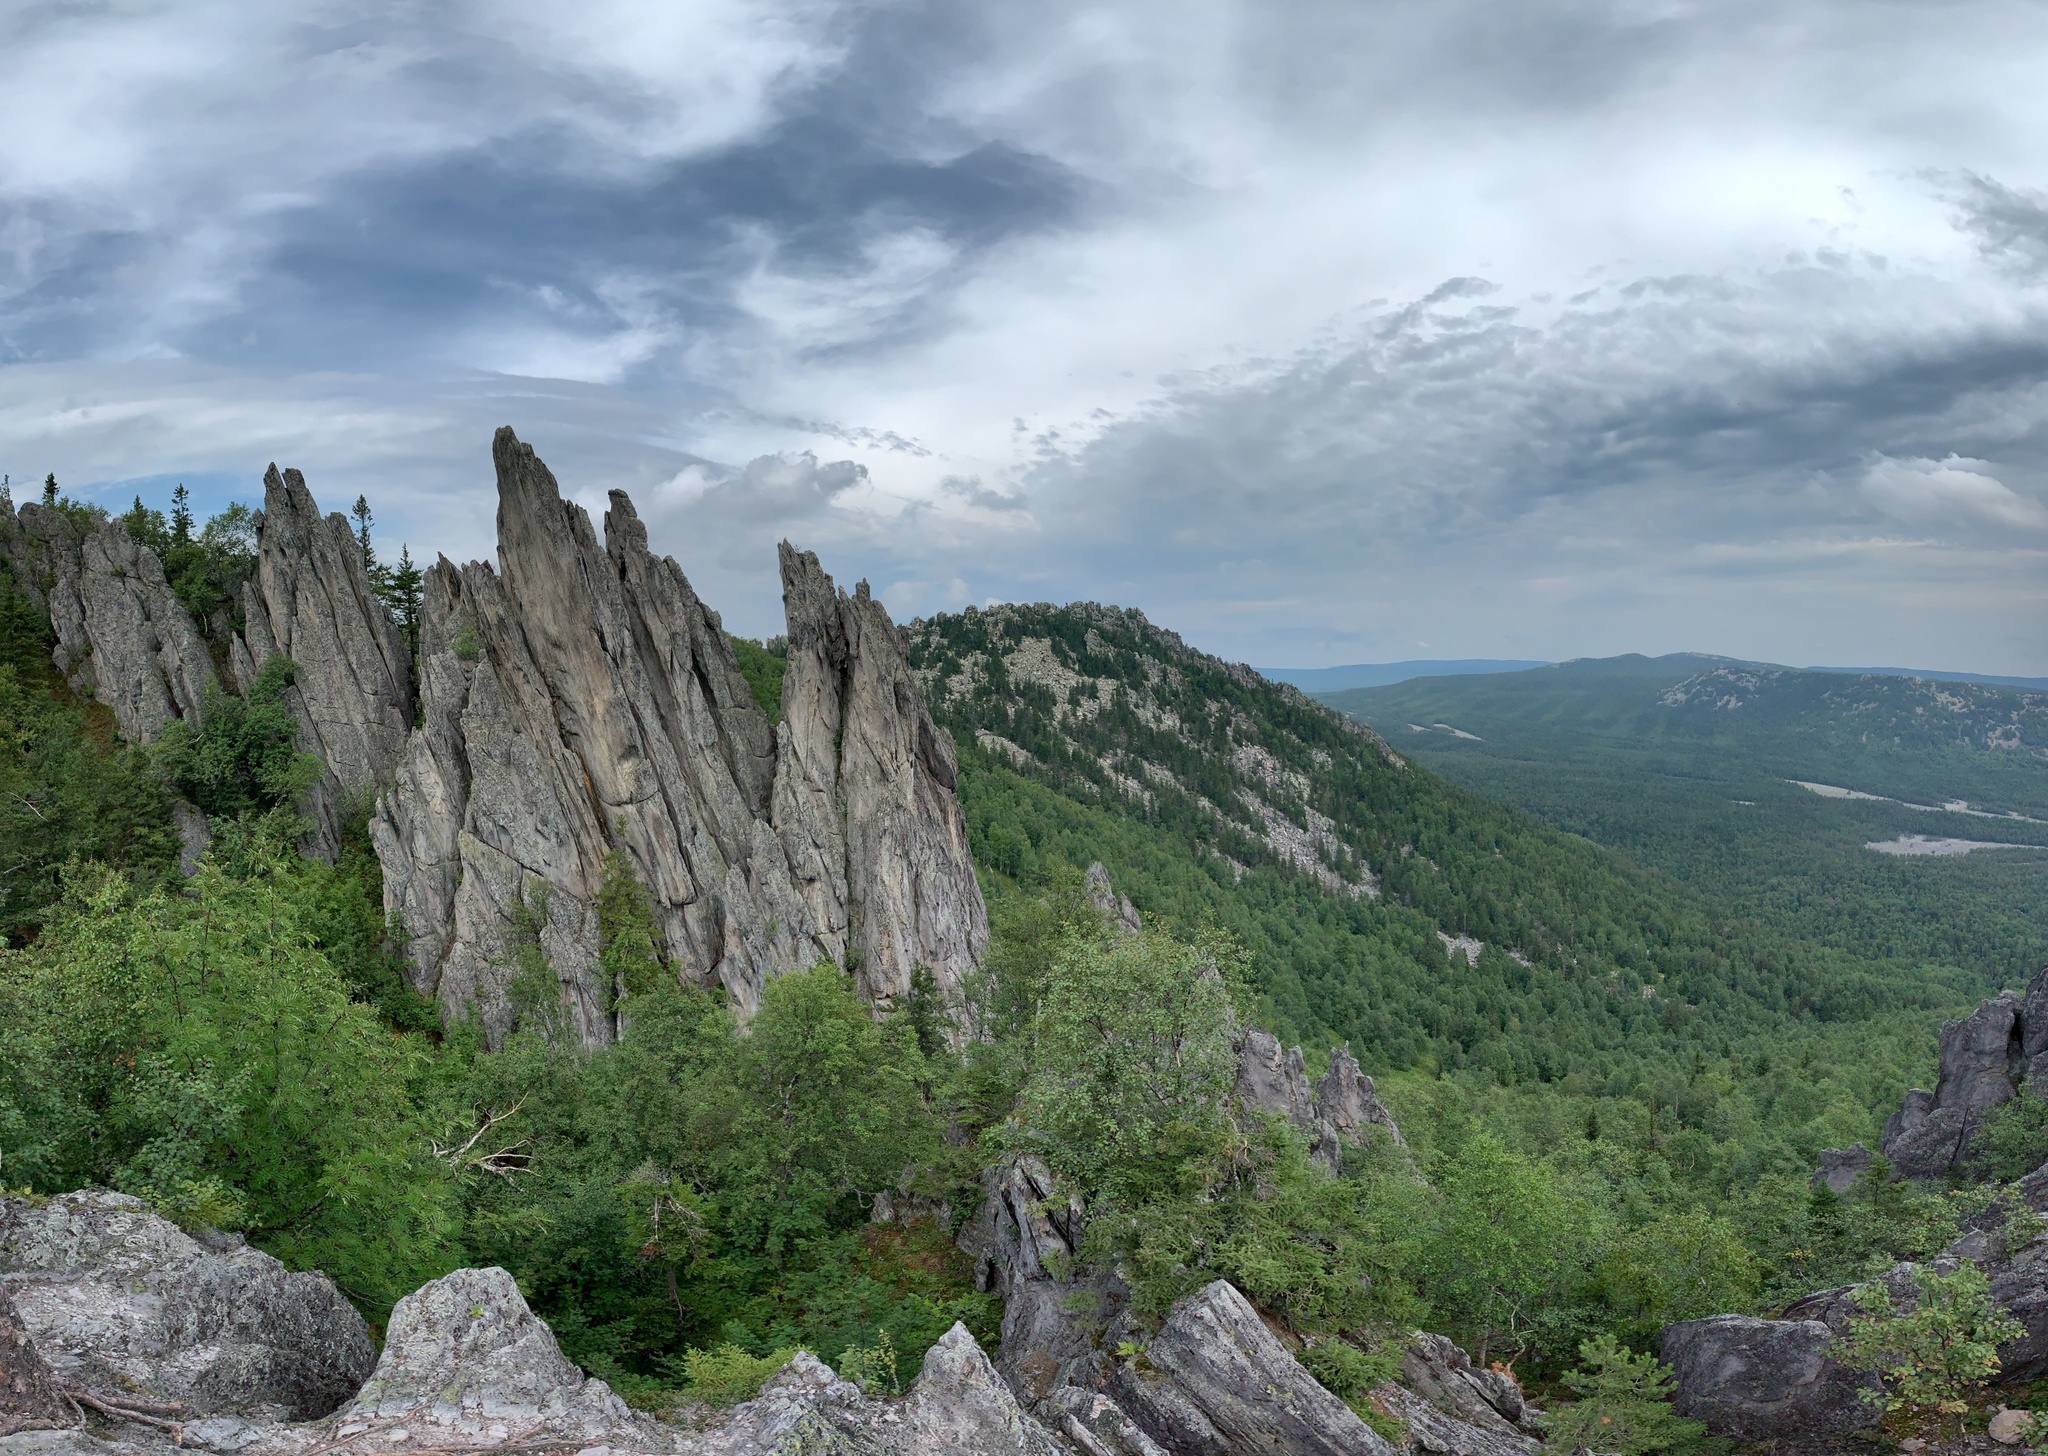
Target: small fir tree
{"x":1623,"y":1405}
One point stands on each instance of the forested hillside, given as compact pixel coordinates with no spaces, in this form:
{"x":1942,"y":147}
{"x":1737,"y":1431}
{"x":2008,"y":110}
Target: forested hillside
{"x":1603,"y":1075}
{"x":1579,"y":991}
{"x":1700,"y":768}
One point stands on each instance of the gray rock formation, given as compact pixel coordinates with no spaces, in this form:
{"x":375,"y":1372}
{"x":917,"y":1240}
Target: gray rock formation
{"x":1339,"y":1112}
{"x":464,"y":1357}
{"x":1216,"y":1380}
{"x":122,"y":634}
{"x":1453,"y":1408}
{"x":1096,"y":1425}
{"x":959,"y":1403}
{"x":2013,"y":1253}
{"x":856,"y":736}
{"x":30,"y":1399}
{"x":118,"y":1299}
{"x":1116,"y":910}
{"x":1022,"y":1240}
{"x":581,"y":700}
{"x":310,"y":600}
{"x":1841,"y":1167}
{"x":1985,"y":1058}
{"x":1760,"y":1379}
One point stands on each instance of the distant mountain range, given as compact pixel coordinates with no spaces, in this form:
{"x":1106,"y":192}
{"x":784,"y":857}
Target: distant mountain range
{"x":1380,"y":674}
{"x":1384,"y":674}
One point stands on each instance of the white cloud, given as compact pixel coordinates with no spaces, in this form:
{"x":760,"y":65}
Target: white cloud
{"x":1922,"y":490}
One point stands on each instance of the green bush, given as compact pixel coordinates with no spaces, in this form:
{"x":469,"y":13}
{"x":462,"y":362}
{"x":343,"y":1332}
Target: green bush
{"x":872,"y":1367}
{"x":1623,"y":1405}
{"x":2013,"y":1141}
{"x":727,"y":1374}
{"x":1352,"y":1375}
{"x":1932,"y":1356}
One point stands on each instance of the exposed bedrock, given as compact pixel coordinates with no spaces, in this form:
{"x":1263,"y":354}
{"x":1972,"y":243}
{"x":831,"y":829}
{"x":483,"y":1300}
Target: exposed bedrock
{"x":120,"y":1300}
{"x":310,"y":600}
{"x":580,"y":699}
{"x":122,"y":634}
{"x":1338,"y":1112}
{"x":1987,"y":1058}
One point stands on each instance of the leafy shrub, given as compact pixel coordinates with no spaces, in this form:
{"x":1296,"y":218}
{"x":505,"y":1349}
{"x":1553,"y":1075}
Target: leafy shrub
{"x":1932,"y":1356}
{"x":727,"y":1374}
{"x":2013,"y":1141}
{"x":872,"y":1367}
{"x":241,"y":759}
{"x":1624,"y":1404}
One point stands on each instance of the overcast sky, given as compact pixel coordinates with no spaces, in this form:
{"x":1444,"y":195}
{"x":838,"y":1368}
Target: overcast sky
{"x":1322,"y":330}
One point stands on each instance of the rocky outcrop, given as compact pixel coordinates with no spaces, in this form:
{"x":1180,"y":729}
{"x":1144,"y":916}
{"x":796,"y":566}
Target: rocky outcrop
{"x":579,"y":700}
{"x":1022,"y":1241}
{"x":1841,"y":1167}
{"x":864,"y":793}
{"x":1340,"y":1111}
{"x":1451,"y":1407}
{"x":1216,"y":1380}
{"x":1761,"y":1379}
{"x":1117,"y":911}
{"x":30,"y":1397}
{"x":310,"y":600}
{"x":466,"y":1359}
{"x":122,"y":634}
{"x":2007,"y":1242}
{"x":118,"y":1299}
{"x":1985,"y":1058}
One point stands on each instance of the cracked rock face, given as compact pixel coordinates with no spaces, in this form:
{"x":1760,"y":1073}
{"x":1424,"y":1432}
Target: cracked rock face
{"x":122,"y":634}
{"x":1340,"y":1111}
{"x":118,"y":1299}
{"x":1222,"y":1382}
{"x":580,"y":699}
{"x":310,"y":600}
{"x":1987,"y":1057}
{"x":1759,"y":1379}
{"x":864,"y":792}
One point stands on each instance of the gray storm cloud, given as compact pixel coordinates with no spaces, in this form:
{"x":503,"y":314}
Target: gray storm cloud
{"x":1317,"y":330}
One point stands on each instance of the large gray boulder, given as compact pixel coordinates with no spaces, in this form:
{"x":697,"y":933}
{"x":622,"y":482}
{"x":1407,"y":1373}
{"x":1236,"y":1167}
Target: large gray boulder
{"x":1215,"y":1382}
{"x":465,"y":1357}
{"x":120,"y":1300}
{"x":580,"y":699}
{"x":1761,"y":1379}
{"x":310,"y":600}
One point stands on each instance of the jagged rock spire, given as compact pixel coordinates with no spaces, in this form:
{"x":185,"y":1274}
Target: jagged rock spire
{"x":310,"y":599}
{"x":122,"y":634}
{"x":581,"y":700}
{"x":865,"y":791}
